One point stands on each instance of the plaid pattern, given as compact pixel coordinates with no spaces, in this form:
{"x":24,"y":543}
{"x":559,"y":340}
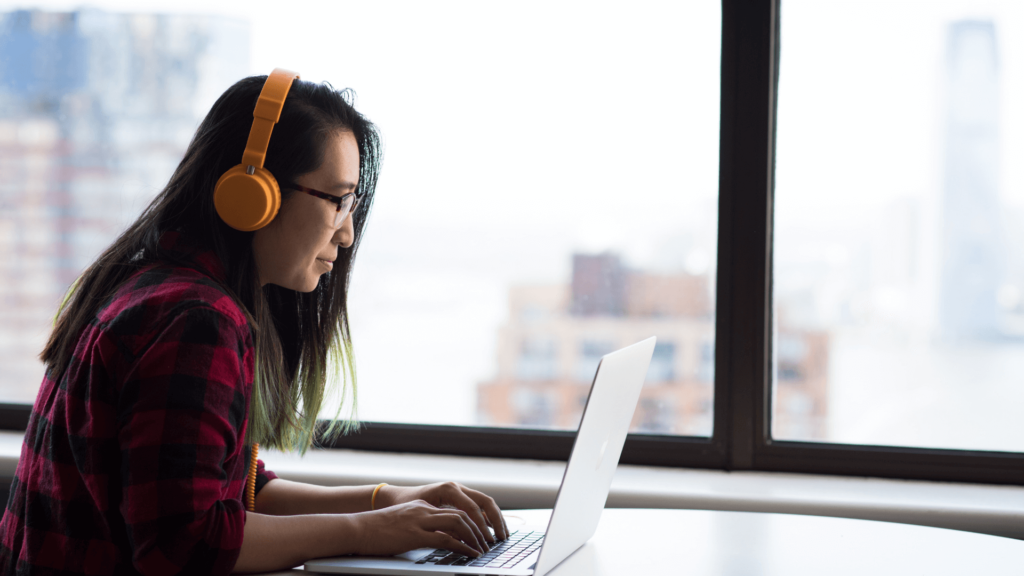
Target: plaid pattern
{"x":133,"y":461}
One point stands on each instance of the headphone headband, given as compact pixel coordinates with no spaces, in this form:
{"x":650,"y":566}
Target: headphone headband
{"x":266,"y":114}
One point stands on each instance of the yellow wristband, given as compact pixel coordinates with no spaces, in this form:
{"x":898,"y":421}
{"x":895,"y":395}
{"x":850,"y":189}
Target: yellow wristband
{"x":373,"y":499}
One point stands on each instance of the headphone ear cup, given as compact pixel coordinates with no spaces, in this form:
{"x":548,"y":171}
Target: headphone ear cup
{"x":247,"y":202}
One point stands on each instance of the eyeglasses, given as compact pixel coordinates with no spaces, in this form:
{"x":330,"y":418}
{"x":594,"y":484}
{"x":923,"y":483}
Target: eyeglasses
{"x":346,"y":204}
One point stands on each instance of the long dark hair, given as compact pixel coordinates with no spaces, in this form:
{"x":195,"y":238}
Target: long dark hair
{"x":296,"y":335}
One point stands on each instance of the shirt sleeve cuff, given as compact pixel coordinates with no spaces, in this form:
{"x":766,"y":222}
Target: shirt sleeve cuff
{"x":262,"y":475}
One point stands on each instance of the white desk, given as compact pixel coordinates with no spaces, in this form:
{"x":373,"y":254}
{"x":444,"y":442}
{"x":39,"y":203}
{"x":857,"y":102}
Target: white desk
{"x":706,"y":543}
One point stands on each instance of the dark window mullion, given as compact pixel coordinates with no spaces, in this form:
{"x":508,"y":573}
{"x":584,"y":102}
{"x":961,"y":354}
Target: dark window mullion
{"x":744,"y":305}
{"x":459,"y":440}
{"x":643,"y":449}
{"x":893,"y":462}
{"x":14,"y":416}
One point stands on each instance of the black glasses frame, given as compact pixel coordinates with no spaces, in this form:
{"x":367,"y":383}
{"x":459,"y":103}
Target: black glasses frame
{"x":336,"y":200}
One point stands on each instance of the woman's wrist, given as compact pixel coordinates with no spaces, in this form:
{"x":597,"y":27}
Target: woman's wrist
{"x":385,"y":497}
{"x":331,"y":540}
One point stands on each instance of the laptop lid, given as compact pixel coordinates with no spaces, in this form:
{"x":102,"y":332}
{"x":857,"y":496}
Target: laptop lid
{"x":595,"y":454}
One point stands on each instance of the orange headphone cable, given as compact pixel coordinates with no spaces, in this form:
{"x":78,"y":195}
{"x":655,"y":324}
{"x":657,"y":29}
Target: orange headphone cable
{"x":250,"y":481}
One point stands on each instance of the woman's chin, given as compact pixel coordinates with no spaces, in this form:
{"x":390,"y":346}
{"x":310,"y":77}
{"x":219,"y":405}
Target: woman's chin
{"x":307,"y":283}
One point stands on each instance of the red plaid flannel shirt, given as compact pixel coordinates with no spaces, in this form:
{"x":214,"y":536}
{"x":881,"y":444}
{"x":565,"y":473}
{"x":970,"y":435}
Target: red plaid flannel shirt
{"x":133,"y":460}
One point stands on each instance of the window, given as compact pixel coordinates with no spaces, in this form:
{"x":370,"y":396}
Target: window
{"x":706,"y":367}
{"x":656,"y":415}
{"x":898,"y":265}
{"x":501,"y":235}
{"x":615,"y":177}
{"x":538,"y":360}
{"x":590,"y":352}
{"x":662,"y":368}
{"x":96,"y":109}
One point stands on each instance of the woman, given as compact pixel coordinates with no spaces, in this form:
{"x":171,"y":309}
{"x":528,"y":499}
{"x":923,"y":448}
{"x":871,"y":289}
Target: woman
{"x":188,"y":341}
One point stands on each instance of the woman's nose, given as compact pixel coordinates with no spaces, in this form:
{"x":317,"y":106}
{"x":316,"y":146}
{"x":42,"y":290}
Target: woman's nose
{"x":345,"y":235}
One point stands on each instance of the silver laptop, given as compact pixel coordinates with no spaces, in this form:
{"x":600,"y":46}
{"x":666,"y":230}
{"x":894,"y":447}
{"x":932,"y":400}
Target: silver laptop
{"x":588,"y":477}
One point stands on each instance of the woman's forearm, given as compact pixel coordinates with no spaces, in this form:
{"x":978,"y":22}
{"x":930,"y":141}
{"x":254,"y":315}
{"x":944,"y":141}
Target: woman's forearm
{"x":280,"y":542}
{"x":285,"y":498}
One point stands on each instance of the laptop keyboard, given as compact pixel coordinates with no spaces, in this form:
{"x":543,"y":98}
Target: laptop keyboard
{"x":502,"y":554}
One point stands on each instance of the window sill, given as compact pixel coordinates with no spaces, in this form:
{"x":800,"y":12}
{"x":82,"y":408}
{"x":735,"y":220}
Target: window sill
{"x":996,"y":510}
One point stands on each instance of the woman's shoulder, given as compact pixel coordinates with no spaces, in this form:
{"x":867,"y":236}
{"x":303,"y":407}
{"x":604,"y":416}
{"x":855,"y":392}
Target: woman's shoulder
{"x":163,"y":291}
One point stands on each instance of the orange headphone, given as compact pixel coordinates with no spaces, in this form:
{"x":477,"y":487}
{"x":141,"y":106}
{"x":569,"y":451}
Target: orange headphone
{"x":247,"y":196}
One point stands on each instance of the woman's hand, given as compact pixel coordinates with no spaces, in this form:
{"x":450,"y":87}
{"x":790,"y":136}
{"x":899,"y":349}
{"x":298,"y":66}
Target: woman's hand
{"x":417,"y":524}
{"x":479,"y":507}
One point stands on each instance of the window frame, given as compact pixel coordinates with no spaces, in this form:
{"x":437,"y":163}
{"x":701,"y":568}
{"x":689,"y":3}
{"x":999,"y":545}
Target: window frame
{"x":741,"y":437}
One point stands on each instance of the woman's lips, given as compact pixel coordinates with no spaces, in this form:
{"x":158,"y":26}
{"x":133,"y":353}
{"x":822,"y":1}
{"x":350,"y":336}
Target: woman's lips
{"x":328,"y":263}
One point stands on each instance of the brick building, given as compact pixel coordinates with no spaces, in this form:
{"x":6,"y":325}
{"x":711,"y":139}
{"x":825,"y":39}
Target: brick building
{"x":556,"y":334}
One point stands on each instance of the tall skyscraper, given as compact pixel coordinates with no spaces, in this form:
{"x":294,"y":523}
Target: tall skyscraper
{"x":96,"y":110}
{"x":972,"y":254}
